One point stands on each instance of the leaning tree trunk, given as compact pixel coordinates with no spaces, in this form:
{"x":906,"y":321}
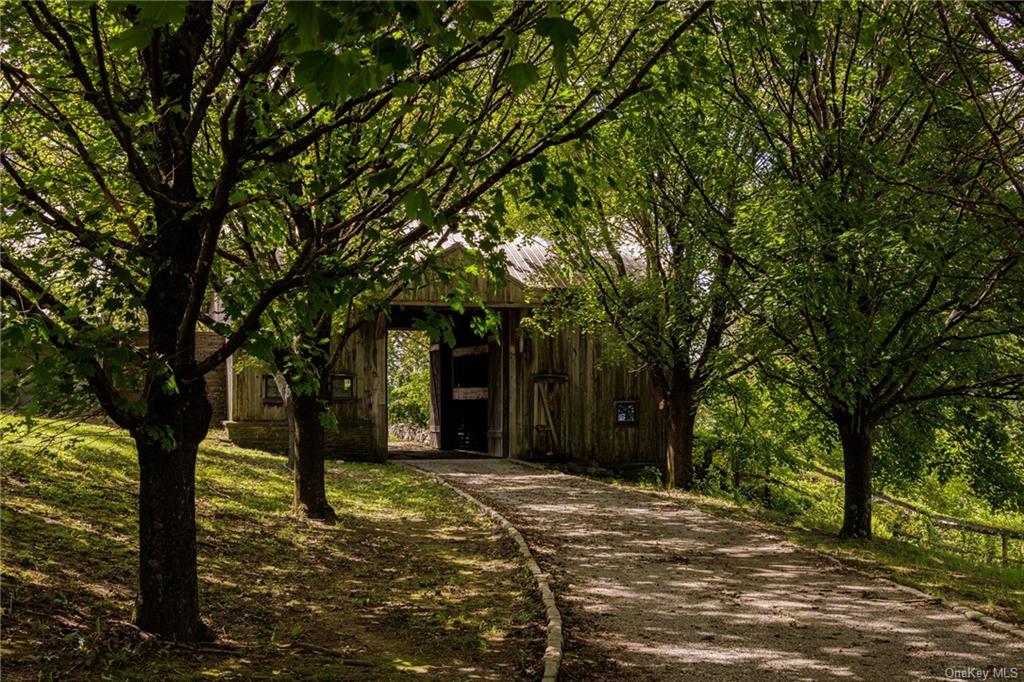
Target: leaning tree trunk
{"x":308,"y":471}
{"x":857,"y":469}
{"x":682,"y":413}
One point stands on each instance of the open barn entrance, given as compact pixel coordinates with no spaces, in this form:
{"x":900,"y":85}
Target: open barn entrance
{"x":408,"y":387}
{"x":467,"y":399}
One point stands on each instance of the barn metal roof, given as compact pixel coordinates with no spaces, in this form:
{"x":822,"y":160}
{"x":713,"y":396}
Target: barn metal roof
{"x":532,"y":262}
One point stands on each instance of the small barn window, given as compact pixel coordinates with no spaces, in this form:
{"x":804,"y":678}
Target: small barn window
{"x":271,"y":396}
{"x":342,"y":387}
{"x":626,"y":412}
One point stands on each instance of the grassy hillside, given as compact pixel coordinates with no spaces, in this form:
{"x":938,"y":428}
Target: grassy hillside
{"x":411,"y":583}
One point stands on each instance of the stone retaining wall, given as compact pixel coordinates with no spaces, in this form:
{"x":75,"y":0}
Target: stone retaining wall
{"x":410,"y":433}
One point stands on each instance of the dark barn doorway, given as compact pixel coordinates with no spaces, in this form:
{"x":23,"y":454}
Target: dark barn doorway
{"x":468,"y":396}
{"x":466,"y":412}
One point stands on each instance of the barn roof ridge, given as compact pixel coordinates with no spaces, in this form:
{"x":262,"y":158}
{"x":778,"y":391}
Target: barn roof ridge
{"x":530,"y":260}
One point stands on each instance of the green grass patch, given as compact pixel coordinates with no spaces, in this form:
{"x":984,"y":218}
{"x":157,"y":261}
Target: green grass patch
{"x":412,"y":583}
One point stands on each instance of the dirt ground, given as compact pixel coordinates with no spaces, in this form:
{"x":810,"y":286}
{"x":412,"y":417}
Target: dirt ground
{"x":654,"y":590}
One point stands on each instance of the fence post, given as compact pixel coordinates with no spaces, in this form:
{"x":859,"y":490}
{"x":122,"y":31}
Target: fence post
{"x":1006,"y":553}
{"x":932,"y":532}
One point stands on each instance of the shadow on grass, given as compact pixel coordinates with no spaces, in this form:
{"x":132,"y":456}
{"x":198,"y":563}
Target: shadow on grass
{"x":410,"y":583}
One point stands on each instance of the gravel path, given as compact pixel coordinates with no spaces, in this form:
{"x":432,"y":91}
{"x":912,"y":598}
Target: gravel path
{"x":653,"y":590}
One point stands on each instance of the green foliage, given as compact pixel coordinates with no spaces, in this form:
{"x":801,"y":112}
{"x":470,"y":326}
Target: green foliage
{"x":564,"y":37}
{"x":828,"y":193}
{"x":297,"y":162}
{"x":428,"y":131}
{"x":641,"y":215}
{"x":980,"y":448}
{"x":871,"y":229}
{"x":520,"y":76}
{"x":649,"y":477}
{"x":872,"y":292}
{"x":409,"y":378}
{"x":882,"y":293}
{"x":321,"y":151}
{"x":437,"y":327}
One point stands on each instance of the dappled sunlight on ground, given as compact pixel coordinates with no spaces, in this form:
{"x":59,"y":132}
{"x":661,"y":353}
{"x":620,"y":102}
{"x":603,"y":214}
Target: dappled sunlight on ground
{"x":654,"y":590}
{"x":412,"y":583}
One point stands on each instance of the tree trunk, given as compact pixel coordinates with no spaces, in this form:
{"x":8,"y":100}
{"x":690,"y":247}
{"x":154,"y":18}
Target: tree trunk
{"x":308,"y":472}
{"x":857,"y":469}
{"x":703,"y":468}
{"x":178,"y":411}
{"x":289,"y":412}
{"x":306,"y":433}
{"x":176,"y":421}
{"x":682,"y":414}
{"x":293,"y":446}
{"x":168,"y":601}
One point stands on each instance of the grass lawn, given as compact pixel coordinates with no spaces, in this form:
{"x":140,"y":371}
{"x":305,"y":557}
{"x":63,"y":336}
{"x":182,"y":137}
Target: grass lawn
{"x":412,"y":583}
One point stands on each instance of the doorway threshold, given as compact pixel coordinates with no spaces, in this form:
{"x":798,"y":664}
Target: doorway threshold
{"x":398,"y":452}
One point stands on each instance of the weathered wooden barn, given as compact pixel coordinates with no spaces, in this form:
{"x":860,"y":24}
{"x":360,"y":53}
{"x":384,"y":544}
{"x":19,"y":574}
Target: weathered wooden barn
{"x":517,"y":393}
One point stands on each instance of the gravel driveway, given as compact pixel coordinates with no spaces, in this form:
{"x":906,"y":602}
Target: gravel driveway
{"x":654,"y":590}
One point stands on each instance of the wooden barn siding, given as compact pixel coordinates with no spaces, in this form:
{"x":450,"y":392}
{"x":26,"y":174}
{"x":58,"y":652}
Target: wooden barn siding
{"x":435,"y":294}
{"x":362,"y":421}
{"x":586,"y":419}
{"x":497,"y":374}
{"x":248,"y":395}
{"x":207,"y":343}
{"x":588,"y":432}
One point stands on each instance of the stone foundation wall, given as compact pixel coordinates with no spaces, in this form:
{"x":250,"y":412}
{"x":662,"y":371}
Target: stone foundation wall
{"x":269,"y":436}
{"x":353,"y":441}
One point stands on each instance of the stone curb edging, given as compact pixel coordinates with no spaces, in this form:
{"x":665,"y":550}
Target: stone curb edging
{"x":552,"y":658}
{"x":985,"y":620}
{"x":970,"y":614}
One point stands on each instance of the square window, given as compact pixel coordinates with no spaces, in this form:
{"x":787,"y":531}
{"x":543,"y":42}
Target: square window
{"x":342,"y":387}
{"x":271,"y":396}
{"x":626,"y":412}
